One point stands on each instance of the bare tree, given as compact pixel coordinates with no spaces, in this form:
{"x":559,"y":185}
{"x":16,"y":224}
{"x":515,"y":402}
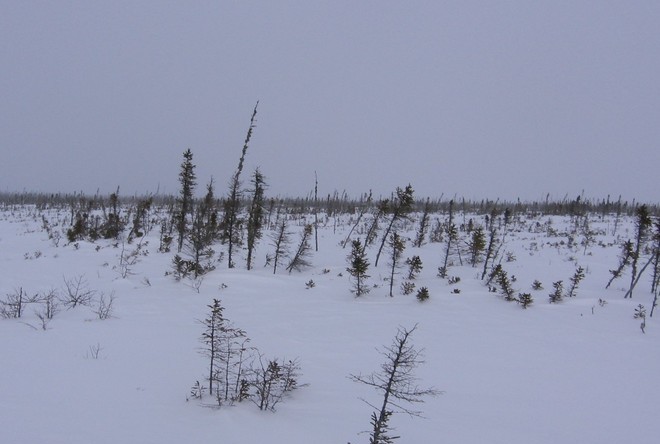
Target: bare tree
{"x":77,"y":292}
{"x":273,"y":380}
{"x":397,"y":384}
{"x":358,"y":220}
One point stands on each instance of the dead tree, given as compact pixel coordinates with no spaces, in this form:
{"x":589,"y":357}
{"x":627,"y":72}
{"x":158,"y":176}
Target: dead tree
{"x":397,"y":384}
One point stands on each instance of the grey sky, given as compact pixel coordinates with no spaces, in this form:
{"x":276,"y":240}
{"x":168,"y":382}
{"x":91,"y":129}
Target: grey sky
{"x":483,"y":99}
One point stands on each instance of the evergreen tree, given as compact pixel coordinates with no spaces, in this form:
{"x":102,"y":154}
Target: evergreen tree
{"x":655,"y":282}
{"x":202,"y":234}
{"x":187,"y":180}
{"x":414,"y":266}
{"x":396,"y":245}
{"x":477,"y":245}
{"x":492,"y":242}
{"x":113,"y":225}
{"x":575,"y":281}
{"x":359,"y":265}
{"x":232,"y":222}
{"x":281,"y":242}
{"x":642,"y":225}
{"x":400,"y":208}
{"x":557,"y":294}
{"x":382,"y":209}
{"x":423,"y":225}
{"x":211,"y":338}
{"x":255,"y":215}
{"x":452,"y":235}
{"x":624,"y":260}
{"x":300,"y":259}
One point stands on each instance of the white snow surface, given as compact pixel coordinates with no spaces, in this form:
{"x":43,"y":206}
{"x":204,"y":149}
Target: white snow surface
{"x":573,"y":372}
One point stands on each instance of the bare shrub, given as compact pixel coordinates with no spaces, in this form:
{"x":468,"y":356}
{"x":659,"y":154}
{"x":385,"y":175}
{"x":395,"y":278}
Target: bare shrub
{"x":77,"y":292}
{"x":104,"y":306}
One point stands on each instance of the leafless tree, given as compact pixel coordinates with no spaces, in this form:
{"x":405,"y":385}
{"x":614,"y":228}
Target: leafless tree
{"x":397,"y":384}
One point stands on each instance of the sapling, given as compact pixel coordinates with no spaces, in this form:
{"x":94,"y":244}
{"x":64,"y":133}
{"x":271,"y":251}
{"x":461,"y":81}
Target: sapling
{"x":423,"y":225}
{"x":358,"y":267}
{"x":400,"y":208}
{"x":396,"y":245}
{"x":557,"y":294}
{"x":624,"y":260}
{"x":642,"y":224}
{"x":423,"y":294}
{"x":575,"y":281}
{"x":397,"y":385}
{"x":640,"y":313}
{"x":525,"y":299}
{"x":505,"y":285}
{"x":300,"y":259}
{"x":414,"y":266}
{"x":407,"y":287}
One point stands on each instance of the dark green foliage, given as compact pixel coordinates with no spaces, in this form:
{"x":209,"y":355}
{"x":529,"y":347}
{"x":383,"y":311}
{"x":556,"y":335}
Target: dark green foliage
{"x":166,"y":237}
{"x":358,"y":267}
{"x":642,"y":224}
{"x":380,"y":429}
{"x":232,"y":223}
{"x":78,"y":230}
{"x":225,"y":347}
{"x":624,"y":260}
{"x":503,"y":281}
{"x":423,"y":225}
{"x":255,"y":215}
{"x":655,"y":282}
{"x":477,"y":245}
{"x":211,"y":339}
{"x":537,"y":285}
{"x":407,"y":287}
{"x":414,"y":266}
{"x":187,"y":179}
{"x":300,"y":259}
{"x":281,"y":242}
{"x":141,"y":222}
{"x":557,"y":294}
{"x":396,"y":245}
{"x":423,"y":294}
{"x":400,"y":208}
{"x":113,"y":225}
{"x":492,"y":244}
{"x":382,"y":209}
{"x":640,"y":312}
{"x":525,"y":299}
{"x":202,"y":234}
{"x":452,"y":236}
{"x":575,"y":281}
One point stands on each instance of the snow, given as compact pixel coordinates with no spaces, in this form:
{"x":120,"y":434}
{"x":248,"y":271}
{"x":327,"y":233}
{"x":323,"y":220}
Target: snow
{"x":554,"y":373}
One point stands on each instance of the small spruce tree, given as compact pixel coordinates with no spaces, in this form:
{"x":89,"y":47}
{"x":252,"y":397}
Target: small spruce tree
{"x":358,"y":267}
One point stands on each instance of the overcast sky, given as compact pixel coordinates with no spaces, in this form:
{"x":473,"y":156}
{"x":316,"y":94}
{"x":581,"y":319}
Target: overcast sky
{"x":480,"y":99}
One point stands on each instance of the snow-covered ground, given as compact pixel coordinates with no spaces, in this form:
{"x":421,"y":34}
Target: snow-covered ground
{"x":574,"y":372}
